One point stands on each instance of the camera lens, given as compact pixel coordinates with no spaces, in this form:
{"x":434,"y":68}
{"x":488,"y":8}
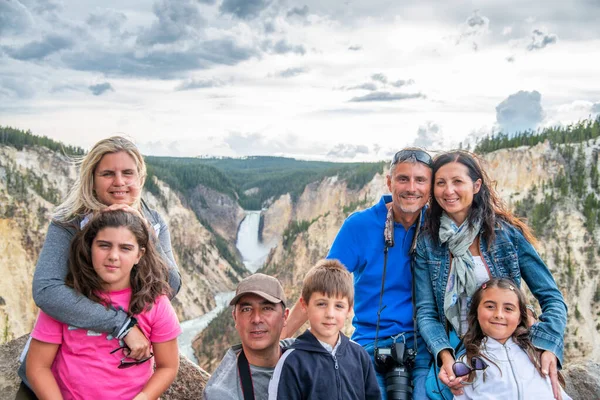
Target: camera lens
{"x":397,"y":384}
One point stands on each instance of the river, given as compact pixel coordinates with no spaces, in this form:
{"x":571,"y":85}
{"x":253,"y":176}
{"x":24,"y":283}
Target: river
{"x":254,"y":255}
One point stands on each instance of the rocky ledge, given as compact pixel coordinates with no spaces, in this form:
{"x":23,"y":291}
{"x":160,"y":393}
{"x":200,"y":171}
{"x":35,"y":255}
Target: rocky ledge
{"x":583,"y":379}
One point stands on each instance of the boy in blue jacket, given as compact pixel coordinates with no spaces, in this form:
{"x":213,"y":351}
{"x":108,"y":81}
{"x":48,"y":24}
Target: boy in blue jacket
{"x":323,"y":363}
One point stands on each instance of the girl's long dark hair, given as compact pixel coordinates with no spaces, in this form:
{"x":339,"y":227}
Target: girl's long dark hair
{"x":474,"y":336}
{"x":148,"y":278}
{"x":487,"y":205}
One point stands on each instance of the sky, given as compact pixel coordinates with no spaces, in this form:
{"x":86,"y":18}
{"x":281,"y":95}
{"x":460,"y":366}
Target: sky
{"x":337,"y":80}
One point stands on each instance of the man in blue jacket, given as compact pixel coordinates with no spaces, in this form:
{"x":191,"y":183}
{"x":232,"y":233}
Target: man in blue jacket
{"x":360,"y":246}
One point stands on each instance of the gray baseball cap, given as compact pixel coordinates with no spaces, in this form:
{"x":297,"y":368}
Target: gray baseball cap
{"x":265,"y":286}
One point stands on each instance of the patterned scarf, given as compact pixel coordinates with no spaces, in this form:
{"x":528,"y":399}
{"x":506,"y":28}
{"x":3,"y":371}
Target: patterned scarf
{"x":462,"y":280}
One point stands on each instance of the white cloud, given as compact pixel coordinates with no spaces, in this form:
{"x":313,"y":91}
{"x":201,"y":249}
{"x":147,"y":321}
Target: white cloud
{"x":191,"y":76}
{"x":429,"y":136}
{"x":520,"y":111}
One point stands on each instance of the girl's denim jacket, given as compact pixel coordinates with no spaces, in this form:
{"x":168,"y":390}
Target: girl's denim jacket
{"x":510,"y":256}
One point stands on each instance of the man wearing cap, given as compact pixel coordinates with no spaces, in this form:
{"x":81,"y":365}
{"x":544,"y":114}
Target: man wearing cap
{"x":260,"y":314}
{"x":361,"y":246}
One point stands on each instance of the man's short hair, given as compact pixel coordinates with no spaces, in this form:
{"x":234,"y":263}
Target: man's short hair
{"x":412,"y":155}
{"x":331,"y":278}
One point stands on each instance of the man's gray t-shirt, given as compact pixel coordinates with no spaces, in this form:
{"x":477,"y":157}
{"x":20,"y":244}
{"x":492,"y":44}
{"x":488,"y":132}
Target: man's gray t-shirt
{"x":224,"y":384}
{"x":260,"y":380}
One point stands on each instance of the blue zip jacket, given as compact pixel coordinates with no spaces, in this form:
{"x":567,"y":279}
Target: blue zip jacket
{"x":308,"y":371}
{"x":510,"y":256}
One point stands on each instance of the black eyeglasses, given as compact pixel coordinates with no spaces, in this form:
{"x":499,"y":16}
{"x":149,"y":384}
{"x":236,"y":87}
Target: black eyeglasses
{"x":128,"y":364}
{"x":462,"y":369}
{"x":419,"y":155}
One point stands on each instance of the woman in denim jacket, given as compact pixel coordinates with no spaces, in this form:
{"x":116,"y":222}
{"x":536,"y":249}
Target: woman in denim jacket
{"x":470,"y":237}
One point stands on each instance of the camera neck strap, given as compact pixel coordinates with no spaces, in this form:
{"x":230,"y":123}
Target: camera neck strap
{"x":245,"y":376}
{"x":388,"y":237}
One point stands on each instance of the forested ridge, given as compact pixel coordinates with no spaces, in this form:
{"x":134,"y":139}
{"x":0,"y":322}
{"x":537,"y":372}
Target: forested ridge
{"x":255,"y":180}
{"x":18,"y":138}
{"x":573,"y":133}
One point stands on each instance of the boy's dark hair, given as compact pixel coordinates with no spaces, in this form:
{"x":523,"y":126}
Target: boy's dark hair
{"x":331,"y":278}
{"x":148,"y":277}
{"x":474,"y":336}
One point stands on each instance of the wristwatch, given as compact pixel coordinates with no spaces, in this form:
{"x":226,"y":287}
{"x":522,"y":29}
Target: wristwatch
{"x":130,"y":325}
{"x":532,"y":309}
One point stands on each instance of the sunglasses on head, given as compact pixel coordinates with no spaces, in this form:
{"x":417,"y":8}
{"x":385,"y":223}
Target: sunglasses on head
{"x":419,"y":155}
{"x":128,"y":364}
{"x":462,"y":369}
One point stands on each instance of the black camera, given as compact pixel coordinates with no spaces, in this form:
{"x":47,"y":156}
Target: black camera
{"x":396,"y":362}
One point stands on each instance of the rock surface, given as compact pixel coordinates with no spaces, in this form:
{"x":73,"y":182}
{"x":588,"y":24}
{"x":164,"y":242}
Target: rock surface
{"x":583,"y":379}
{"x":189,"y":383}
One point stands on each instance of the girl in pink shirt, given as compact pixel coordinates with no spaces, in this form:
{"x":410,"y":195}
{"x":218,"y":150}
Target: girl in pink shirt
{"x":112,"y":261}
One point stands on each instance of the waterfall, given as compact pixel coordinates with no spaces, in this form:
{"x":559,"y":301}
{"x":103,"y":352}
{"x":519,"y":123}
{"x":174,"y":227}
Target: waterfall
{"x":253,"y":251}
{"x":254,"y":255}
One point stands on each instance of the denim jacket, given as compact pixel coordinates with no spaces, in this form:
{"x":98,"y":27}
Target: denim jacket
{"x":510,"y":256}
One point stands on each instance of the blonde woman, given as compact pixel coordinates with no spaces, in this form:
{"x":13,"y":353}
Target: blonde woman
{"x":111,"y":177}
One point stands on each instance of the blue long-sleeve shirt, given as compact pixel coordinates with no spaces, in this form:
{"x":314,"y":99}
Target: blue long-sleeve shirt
{"x":359,"y":246}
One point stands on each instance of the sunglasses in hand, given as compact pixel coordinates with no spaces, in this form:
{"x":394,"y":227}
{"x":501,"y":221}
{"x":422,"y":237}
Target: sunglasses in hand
{"x":127,"y":364}
{"x":462,"y":369}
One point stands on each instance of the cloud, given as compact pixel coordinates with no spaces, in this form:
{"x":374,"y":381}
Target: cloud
{"x":291,"y":72}
{"x":244,"y":9}
{"x":474,"y":28}
{"x":476,"y":21}
{"x":365,"y":86}
{"x":288,"y":145}
{"x":429,"y":136}
{"x":298,"y":12}
{"x":209,"y":2}
{"x":282,"y":47}
{"x":160,"y":63}
{"x":259,"y":144}
{"x":379,"y":78}
{"x":386,"y":96}
{"x":175,"y":20}
{"x":65,"y":88}
{"x":269,"y":27}
{"x":596,"y":108}
{"x":166,"y":148}
{"x":15,"y":88}
{"x":101,"y":88}
{"x":111,"y":19}
{"x":343,"y":111}
{"x":38,"y":50}
{"x":46,"y":6}
{"x":474,"y":137}
{"x":345,"y":150}
{"x":520,"y":111}
{"x":402,"y":82}
{"x":192,"y":84}
{"x":539,"y":40}
{"x":355,"y":48}
{"x":15,"y":18}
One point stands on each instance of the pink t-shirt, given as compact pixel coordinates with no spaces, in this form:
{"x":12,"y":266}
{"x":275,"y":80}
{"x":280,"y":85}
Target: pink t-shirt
{"x":84,"y":367}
